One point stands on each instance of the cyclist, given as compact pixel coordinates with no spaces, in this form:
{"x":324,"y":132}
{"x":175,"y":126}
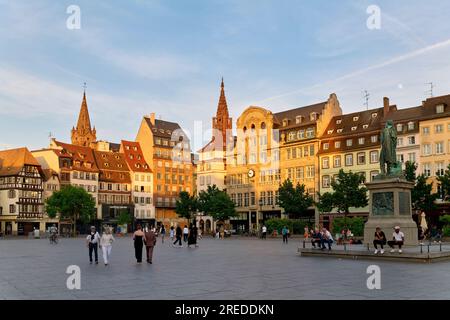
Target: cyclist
{"x":53,"y":233}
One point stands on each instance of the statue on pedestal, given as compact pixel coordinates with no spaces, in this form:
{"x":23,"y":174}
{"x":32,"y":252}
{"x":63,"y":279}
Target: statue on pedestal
{"x":388,"y":155}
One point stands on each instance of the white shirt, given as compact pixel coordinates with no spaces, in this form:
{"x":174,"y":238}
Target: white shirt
{"x":96,"y":238}
{"x":264,"y":229}
{"x":398,"y":236}
{"x":186,"y":231}
{"x":106,"y":240}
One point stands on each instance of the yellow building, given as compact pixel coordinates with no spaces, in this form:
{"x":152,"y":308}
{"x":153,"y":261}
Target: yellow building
{"x":270,"y":148}
{"x":435,"y":138}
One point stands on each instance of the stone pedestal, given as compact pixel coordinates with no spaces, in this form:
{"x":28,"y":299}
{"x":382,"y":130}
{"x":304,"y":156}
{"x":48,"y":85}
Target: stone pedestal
{"x":390,"y":206}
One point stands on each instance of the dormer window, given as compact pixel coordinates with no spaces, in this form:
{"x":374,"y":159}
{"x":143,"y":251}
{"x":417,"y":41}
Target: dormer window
{"x":285,"y":122}
{"x":440,"y":108}
{"x":399,"y":127}
{"x":411,"y":125}
{"x":374,"y":115}
{"x":137,"y":165}
{"x":355,"y":118}
{"x":127,"y":147}
{"x":161,"y":130}
{"x":326,"y":146}
{"x":354,"y":128}
{"x":313,"y":116}
{"x":135,"y":148}
{"x":145,"y":166}
{"x":339,"y":130}
{"x":104,"y":156}
{"x":330,"y":131}
{"x":169,"y":132}
{"x":298,"y":119}
{"x":339,"y":121}
{"x":117,"y":157}
{"x":365,"y":126}
{"x":106,"y":164}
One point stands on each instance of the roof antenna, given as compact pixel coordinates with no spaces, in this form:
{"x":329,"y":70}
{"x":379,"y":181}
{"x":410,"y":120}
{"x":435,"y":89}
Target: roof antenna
{"x":430,"y":92}
{"x":366,"y":96}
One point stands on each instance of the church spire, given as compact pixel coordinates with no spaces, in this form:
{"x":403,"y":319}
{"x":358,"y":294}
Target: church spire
{"x":222,"y":108}
{"x":222,"y":120}
{"x":83,"y":134}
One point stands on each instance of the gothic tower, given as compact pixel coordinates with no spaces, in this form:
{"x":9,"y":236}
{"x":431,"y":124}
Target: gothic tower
{"x":222,"y":120}
{"x":83,"y":135}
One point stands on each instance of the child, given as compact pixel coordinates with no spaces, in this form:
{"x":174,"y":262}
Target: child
{"x":172,"y":233}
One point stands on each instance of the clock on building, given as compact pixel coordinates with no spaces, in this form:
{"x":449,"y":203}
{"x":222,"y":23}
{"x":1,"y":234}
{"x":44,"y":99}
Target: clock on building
{"x":251,"y":173}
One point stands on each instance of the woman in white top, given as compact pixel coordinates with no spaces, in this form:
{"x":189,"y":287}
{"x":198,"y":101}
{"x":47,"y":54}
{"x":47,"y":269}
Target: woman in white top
{"x":106,"y":244}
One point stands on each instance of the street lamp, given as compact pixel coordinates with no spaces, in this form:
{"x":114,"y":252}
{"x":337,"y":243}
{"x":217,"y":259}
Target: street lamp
{"x":260,"y":202}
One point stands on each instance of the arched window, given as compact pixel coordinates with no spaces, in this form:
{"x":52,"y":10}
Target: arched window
{"x":263,"y":125}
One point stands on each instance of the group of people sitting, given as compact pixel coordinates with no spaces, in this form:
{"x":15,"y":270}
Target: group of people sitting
{"x":321,"y":237}
{"x":398,"y":238}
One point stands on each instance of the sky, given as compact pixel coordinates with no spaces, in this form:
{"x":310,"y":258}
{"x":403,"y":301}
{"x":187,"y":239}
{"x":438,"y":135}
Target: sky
{"x":168,"y":57}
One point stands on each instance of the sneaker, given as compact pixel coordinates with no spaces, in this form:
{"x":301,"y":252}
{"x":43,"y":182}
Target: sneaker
{"x":393,"y":250}
{"x":382,"y":251}
{"x":399,"y":250}
{"x":376,"y":251}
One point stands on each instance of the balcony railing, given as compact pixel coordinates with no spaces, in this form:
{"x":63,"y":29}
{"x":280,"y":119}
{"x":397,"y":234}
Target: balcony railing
{"x":30,"y":215}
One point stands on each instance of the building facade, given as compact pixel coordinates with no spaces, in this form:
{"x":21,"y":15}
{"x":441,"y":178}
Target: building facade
{"x":166,"y":148}
{"x":141,"y":182}
{"x":21,"y":193}
{"x":212,"y":166}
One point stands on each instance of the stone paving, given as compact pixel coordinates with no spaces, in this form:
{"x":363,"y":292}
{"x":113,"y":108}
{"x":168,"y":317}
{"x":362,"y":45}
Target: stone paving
{"x":234,"y":268}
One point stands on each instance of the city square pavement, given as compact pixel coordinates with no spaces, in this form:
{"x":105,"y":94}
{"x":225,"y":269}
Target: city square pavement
{"x":234,"y":268}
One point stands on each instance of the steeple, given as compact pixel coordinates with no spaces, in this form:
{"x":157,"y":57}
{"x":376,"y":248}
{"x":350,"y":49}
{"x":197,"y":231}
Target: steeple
{"x":83,"y":134}
{"x":222,"y":120}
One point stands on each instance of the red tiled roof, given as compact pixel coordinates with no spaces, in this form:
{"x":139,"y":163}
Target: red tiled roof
{"x":134,"y":156}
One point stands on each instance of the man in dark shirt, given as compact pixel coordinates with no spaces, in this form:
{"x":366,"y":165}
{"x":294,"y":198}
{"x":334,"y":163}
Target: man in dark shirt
{"x":316,"y":238}
{"x":178,"y":233}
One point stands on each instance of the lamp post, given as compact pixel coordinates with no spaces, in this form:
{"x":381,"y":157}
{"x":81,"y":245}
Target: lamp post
{"x":260,"y":202}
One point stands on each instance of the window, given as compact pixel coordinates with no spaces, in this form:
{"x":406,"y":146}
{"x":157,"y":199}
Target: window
{"x":355,"y":118}
{"x":246,"y":199}
{"x":276,"y":155}
{"x":301,"y":134}
{"x":399,"y":142}
{"x":361,"y":158}
{"x":439,"y":147}
{"x":349,"y":142}
{"x":412,"y":157}
{"x":426,"y":149}
{"x":239,"y":199}
{"x":305,"y":151}
{"x":365,"y":126}
{"x":399,"y":127}
{"x":411,"y":140}
{"x":202,"y":180}
{"x":373,"y":174}
{"x":313,"y":116}
{"x":75,"y":175}
{"x":374,"y":139}
{"x":374,"y":156}
{"x":410,"y":125}
{"x":427,"y":169}
{"x":270,"y":198}
{"x":337,"y":161}
{"x":311,"y":150}
{"x":374,"y":115}
{"x":349,"y":159}
{"x":330,"y":131}
{"x":439,"y":128}
{"x":337,"y":144}
{"x":440,"y":169}
{"x":208,"y":180}
{"x":440,"y":108}
{"x":299,"y":173}
{"x":310,"y":171}
{"x":262,"y":198}
{"x":361,"y":140}
{"x":326,"y":146}
{"x":354,"y":128}
{"x":291,"y":136}
{"x":298,"y":119}
{"x":109,"y":186}
{"x":326,"y":181}
{"x":325,"y":163}
{"x":294,"y":153}
{"x":338,"y":121}
{"x":12,"y":208}
{"x":339,"y":130}
{"x":400,"y":158}
{"x":426,"y":130}
{"x":310,"y":133}
{"x":263,"y":140}
{"x":252,"y":199}
{"x":285,"y":122}
{"x":11,"y":194}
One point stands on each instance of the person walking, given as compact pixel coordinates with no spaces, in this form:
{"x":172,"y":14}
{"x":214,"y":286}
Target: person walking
{"x":162,"y":231}
{"x":178,"y":234}
{"x":150,"y":242}
{"x":379,"y":239}
{"x":185,"y":233}
{"x":192,"y":239}
{"x":92,"y":241}
{"x":138,"y":238}
{"x":285,"y":232}
{"x":106,"y":244}
{"x":264,"y":232}
{"x":172,"y":233}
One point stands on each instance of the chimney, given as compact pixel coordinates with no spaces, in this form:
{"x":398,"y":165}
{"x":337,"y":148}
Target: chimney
{"x":152,"y":118}
{"x":385,"y":106}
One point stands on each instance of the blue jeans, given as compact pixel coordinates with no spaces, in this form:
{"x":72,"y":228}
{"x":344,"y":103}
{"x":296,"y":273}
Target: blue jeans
{"x":328,"y":241}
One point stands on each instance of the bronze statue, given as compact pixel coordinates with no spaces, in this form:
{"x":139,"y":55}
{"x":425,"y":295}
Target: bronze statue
{"x":388,"y":156}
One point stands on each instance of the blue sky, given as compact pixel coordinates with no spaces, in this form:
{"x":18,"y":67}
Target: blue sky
{"x":167,"y":57}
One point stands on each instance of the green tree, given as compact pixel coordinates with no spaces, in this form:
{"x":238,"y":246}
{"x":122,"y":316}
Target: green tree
{"x":216,"y":203}
{"x":72,"y":203}
{"x":296,"y":200}
{"x":410,"y":171}
{"x":422,"y":197}
{"x":444,"y":181}
{"x":124,"y":218}
{"x":186,"y":205}
{"x":348,"y":192}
